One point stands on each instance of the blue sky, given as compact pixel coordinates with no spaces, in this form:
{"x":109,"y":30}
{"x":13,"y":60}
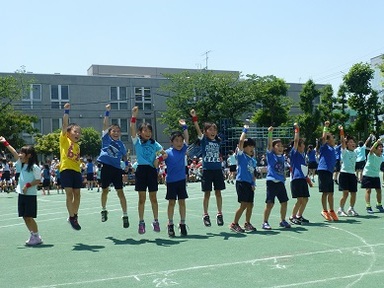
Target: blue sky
{"x":293,"y":40}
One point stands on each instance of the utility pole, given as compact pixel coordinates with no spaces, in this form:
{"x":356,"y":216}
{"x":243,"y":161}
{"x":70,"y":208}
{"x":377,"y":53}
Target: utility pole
{"x":206,"y":59}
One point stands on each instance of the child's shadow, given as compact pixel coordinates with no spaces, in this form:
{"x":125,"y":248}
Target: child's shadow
{"x":158,"y":241}
{"x":228,"y":235}
{"x":85,"y":247}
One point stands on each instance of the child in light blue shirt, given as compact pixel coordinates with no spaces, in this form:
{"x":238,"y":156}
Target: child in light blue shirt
{"x":371,"y":176}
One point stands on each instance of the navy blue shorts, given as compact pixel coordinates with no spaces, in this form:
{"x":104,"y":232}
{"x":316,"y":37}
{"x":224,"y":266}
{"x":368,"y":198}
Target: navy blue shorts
{"x":326,"y":183}
{"x":276,"y":189}
{"x":347,"y":182}
{"x":27,"y":205}
{"x":71,"y":179}
{"x":110,"y":174}
{"x":245,"y":193}
{"x":299,"y":188}
{"x":176,"y":190}
{"x":214,"y":177}
{"x":370,"y":182}
{"x":146,"y":177}
{"x":360,"y":165}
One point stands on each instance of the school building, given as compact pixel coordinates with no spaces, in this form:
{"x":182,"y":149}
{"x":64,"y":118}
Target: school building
{"x":121,"y":86}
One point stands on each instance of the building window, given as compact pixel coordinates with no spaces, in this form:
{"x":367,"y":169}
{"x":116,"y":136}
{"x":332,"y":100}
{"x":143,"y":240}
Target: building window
{"x":56,"y":124}
{"x":59,"y":96}
{"x":38,"y":125}
{"x":122,"y":123}
{"x":33,"y":94}
{"x":119,"y":98}
{"x":143,"y":98}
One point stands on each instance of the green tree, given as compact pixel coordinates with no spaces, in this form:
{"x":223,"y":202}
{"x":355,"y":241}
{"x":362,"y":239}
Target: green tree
{"x":14,"y":123}
{"x":215,"y":97}
{"x":271,"y":94}
{"x":329,"y":109}
{"x":358,"y":86}
{"x":90,"y":143}
{"x":341,"y":104}
{"x":310,"y":119}
{"x":48,"y":144}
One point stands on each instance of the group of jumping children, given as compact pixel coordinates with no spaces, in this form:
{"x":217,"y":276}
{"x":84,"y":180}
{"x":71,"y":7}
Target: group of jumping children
{"x":150,"y":153}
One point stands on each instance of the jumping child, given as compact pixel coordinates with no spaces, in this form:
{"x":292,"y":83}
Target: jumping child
{"x":70,"y":171}
{"x":146,"y":173}
{"x":112,"y":151}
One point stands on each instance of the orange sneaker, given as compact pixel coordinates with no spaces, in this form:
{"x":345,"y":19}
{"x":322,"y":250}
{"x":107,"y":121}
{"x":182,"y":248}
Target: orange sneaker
{"x":333,"y":215}
{"x":326,"y":215}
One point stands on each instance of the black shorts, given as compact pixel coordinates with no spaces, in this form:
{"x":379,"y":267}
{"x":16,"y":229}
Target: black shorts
{"x":6,"y":176}
{"x":146,"y":177}
{"x":312,"y":165}
{"x":347,"y":182}
{"x":359,"y":165}
{"x":232,"y":168}
{"x":90,"y":177}
{"x":370,"y":182}
{"x":245,"y":193}
{"x":276,"y":189}
{"x":214,"y":177}
{"x":110,"y":174}
{"x":337,"y":166}
{"x":46,"y":183}
{"x":326,"y":183}
{"x":176,"y":190}
{"x":299,"y":188}
{"x":71,"y":179}
{"x":27,"y":205}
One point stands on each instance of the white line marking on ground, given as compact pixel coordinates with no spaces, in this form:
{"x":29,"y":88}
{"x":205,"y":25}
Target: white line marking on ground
{"x":252,"y":262}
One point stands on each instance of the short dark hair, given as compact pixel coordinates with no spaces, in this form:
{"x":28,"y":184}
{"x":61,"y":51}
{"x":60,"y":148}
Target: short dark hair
{"x":249,"y":142}
{"x":176,"y":134}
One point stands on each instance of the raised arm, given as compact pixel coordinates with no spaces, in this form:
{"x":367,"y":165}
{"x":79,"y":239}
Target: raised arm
{"x":325,"y":131}
{"x":106,"y":117}
{"x":269,"y":142}
{"x":9,"y":147}
{"x":196,"y":123}
{"x":67,"y":107}
{"x":296,"y":137}
{"x":374,"y":146}
{"x":342,"y":138}
{"x":243,"y":136}
{"x":185,"y":130}
{"x":132,"y":125}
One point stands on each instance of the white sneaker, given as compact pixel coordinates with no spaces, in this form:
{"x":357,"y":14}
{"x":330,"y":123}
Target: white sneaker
{"x":352,"y":212}
{"x":34,"y":240}
{"x":341,"y":213}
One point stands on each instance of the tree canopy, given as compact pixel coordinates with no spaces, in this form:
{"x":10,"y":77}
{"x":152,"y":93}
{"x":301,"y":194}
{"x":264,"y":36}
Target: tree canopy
{"x":90,"y":143}
{"x":361,"y":97}
{"x":14,"y":123}
{"x":215,"y":97}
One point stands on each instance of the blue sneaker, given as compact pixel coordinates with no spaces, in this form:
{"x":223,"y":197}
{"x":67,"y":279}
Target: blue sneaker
{"x":285,"y":224}
{"x":266,"y":226}
{"x":369,"y":210}
{"x":380,"y":208}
